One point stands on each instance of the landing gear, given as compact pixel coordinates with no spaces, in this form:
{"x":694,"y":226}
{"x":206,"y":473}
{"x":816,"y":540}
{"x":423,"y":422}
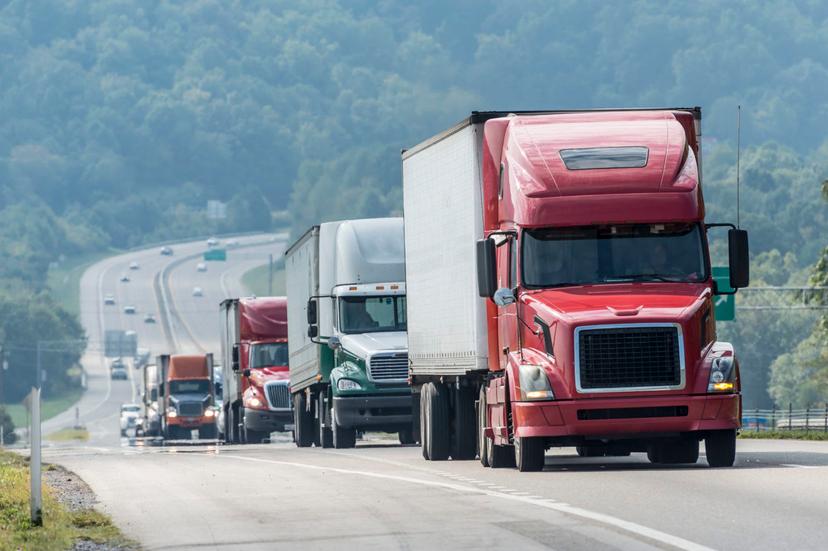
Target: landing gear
{"x":325,"y":437}
{"x":463,"y":441}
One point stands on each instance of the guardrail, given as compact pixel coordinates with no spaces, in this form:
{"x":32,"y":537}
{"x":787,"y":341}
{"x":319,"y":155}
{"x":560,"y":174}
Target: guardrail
{"x":809,"y":419}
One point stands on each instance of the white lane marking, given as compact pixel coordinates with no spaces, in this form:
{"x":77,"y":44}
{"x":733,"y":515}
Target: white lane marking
{"x":631,"y":527}
{"x":800,"y":466}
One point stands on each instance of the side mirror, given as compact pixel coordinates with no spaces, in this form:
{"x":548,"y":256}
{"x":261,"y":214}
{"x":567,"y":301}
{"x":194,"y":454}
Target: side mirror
{"x":154,"y":395}
{"x":739,"y":258}
{"x":246,"y":373}
{"x":313,"y":331}
{"x":486,"y":268}
{"x":334,"y":343}
{"x":504,"y":297}
{"x":235,"y":359}
{"x":312,"y":312}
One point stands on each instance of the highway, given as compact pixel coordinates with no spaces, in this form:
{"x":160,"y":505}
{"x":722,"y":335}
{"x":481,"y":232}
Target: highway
{"x":385,"y":496}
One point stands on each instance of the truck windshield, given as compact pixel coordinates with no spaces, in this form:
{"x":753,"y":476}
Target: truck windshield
{"x":556,"y":257}
{"x":268,"y":355}
{"x":372,"y":314}
{"x":190,"y":387}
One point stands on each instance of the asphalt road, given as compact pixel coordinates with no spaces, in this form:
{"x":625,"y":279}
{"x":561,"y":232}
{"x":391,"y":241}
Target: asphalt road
{"x":384,"y":496}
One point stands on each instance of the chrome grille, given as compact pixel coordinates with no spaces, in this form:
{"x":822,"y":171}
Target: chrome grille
{"x":389,"y":366}
{"x":278,"y":395}
{"x":629,"y":357}
{"x":190,"y":409}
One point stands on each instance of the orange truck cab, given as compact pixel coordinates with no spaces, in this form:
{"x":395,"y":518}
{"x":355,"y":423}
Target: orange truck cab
{"x":186,"y":396}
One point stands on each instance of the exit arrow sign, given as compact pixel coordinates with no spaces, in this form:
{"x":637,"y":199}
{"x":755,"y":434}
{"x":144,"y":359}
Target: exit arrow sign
{"x":724,"y":305}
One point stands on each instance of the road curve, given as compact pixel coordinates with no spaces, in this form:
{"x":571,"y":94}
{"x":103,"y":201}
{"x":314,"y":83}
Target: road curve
{"x":384,"y":496}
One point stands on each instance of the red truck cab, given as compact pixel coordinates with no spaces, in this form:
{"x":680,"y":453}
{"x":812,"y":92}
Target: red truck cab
{"x":595,"y":325}
{"x":255,"y":369}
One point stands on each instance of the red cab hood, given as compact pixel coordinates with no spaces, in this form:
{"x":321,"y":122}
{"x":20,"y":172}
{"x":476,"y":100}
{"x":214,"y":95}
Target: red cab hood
{"x":617,"y":303}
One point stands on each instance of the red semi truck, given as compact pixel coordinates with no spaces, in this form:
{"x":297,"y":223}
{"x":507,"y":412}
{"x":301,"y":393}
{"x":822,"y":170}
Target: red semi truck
{"x":560,"y":290}
{"x":254,"y":348}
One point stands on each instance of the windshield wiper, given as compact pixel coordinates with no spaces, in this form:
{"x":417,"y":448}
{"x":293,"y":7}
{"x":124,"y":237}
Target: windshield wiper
{"x":643,"y":277}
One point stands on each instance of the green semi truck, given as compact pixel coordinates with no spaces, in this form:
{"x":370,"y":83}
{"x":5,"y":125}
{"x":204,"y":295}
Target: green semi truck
{"x":347,"y":332}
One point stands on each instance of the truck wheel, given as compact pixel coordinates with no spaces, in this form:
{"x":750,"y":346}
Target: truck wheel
{"x":254,"y":436}
{"x":407,"y":436}
{"x":464,"y":435}
{"x":591,"y":451}
{"x":482,"y":442}
{"x":123,"y":432}
{"x":424,"y":421}
{"x":303,"y":422}
{"x":342,"y":437}
{"x":437,"y":428}
{"x":529,"y":454}
{"x":720,"y":448}
{"x":207,"y":432}
{"x":325,"y":438}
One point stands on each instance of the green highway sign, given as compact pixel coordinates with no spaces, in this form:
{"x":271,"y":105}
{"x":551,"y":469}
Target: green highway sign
{"x":725,"y":305}
{"x":219,"y":255}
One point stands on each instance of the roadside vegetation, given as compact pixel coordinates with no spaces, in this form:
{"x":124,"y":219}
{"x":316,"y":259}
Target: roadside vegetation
{"x":61,"y":529}
{"x":69,"y":434}
{"x":256,"y":280}
{"x":305,"y":111}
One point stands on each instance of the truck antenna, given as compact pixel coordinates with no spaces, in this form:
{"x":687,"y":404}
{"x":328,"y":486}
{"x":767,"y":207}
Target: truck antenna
{"x":738,"y":152}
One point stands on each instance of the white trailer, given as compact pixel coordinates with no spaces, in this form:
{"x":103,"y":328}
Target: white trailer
{"x":345,"y":376}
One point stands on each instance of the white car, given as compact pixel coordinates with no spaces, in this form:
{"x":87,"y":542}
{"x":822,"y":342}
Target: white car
{"x":124,"y":278}
{"x":109,"y":299}
{"x":201,"y":267}
{"x":212,"y":242}
{"x":166,"y":251}
{"x":129,"y":309}
{"x":197,"y":292}
{"x":133,"y":265}
{"x":130,"y":413}
{"x":149,"y":318}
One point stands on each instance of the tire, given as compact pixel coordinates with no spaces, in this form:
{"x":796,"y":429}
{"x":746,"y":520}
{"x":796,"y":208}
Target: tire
{"x":407,"y":437}
{"x":303,"y":422}
{"x":530,"y":454}
{"x":439,"y":422}
{"x":464,"y":435}
{"x":674,"y":453}
{"x":207,"y":432}
{"x":342,"y":438}
{"x":720,"y":448}
{"x":123,"y":432}
{"x":483,"y":443}
{"x":424,"y":421}
{"x":325,"y":437}
{"x":255,"y":436}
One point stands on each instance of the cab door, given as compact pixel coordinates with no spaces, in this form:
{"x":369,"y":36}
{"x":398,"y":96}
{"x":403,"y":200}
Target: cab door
{"x":507,"y":315}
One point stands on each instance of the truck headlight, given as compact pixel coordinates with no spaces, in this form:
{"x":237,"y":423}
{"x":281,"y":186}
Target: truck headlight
{"x":171,"y":412}
{"x":722,"y":375}
{"x":534,"y":384}
{"x":209,"y":412}
{"x":348,"y":384}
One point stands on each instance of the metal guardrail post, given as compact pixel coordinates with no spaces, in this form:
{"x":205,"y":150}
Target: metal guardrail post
{"x":825,"y":427}
{"x":807,"y":418}
{"x":790,"y":415}
{"x":773,"y":417}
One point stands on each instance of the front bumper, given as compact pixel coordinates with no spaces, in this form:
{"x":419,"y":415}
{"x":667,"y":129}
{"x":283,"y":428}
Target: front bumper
{"x":190,"y":422}
{"x":267,"y":420}
{"x":670,"y":415}
{"x":373,"y":412}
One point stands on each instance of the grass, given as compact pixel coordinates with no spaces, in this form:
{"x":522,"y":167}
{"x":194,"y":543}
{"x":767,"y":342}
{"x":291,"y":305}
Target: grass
{"x":64,"y":279}
{"x":49,"y":407}
{"x":814,"y":434}
{"x":61,"y":527}
{"x":65,"y":435}
{"x":255,"y":281}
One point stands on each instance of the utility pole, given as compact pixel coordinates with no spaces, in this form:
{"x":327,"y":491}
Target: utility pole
{"x":270,"y":276}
